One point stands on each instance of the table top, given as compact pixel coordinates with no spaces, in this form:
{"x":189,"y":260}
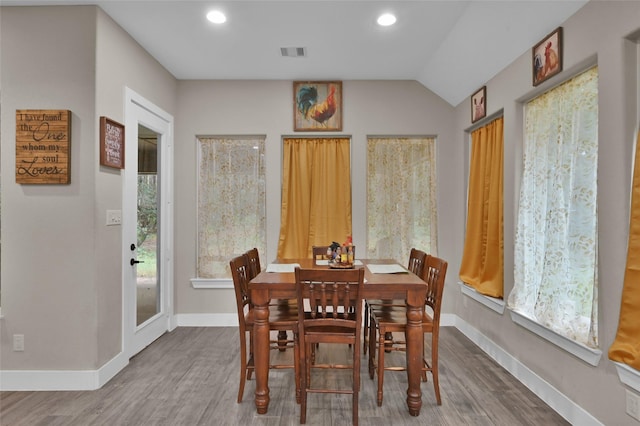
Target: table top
{"x":387,"y":285}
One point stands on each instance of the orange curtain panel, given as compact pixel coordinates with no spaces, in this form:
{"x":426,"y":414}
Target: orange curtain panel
{"x":482,"y":264}
{"x":316,"y":194}
{"x":626,"y":346}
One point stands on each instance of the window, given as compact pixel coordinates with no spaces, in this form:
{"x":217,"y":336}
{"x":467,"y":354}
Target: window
{"x":401,"y":196}
{"x":231,"y":201}
{"x":555,"y":256}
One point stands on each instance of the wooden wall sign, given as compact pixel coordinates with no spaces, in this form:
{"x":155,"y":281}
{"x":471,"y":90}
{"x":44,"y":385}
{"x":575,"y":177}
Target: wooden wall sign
{"x":111,"y":143}
{"x":43,"y":146}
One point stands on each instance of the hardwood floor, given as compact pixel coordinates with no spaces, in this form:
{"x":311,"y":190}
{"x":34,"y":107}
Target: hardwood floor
{"x":190,"y":377}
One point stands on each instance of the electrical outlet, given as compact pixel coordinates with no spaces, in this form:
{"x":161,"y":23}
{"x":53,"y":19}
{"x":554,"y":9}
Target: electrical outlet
{"x":114,"y":217}
{"x":18,"y":342}
{"x":633,"y":405}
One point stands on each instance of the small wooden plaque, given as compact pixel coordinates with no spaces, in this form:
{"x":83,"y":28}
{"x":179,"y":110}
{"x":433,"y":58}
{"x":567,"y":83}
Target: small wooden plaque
{"x":111,"y":143}
{"x":43,"y":146}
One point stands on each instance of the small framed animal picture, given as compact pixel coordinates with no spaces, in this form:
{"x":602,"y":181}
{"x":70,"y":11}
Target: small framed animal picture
{"x":479,"y":104}
{"x":317,"y":106}
{"x":547,"y":57}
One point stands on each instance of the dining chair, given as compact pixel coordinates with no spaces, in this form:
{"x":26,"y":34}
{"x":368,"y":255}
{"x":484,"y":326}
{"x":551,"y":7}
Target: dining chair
{"x":319,"y":252}
{"x":415,"y":265}
{"x":253,"y":258}
{"x":329,"y":311}
{"x":281,"y":318}
{"x":388,"y":321}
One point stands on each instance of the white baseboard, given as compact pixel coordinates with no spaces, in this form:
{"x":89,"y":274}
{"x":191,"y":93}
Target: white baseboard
{"x":61,"y":380}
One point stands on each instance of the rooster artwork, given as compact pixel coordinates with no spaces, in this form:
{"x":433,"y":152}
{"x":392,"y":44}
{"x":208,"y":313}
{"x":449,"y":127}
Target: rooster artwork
{"x":317,"y":106}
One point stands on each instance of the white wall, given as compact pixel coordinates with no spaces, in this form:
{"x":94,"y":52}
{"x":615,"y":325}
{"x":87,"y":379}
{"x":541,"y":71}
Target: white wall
{"x":597,"y":389}
{"x":48,"y":265}
{"x":61,"y":266}
{"x":120,"y":63}
{"x":266,"y":107}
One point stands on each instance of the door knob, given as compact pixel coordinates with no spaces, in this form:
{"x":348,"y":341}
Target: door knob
{"x":133,"y":261}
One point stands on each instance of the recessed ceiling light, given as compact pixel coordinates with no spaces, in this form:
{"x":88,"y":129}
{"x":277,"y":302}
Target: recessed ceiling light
{"x":216,"y":17}
{"x":386,"y":19}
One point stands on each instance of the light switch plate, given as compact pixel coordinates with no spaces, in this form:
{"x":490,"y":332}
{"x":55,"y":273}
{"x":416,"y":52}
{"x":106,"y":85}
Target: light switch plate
{"x":114,"y":217}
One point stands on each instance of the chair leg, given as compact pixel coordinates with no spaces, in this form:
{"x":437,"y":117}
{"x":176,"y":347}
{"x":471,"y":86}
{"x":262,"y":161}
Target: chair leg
{"x":372,"y":349}
{"x":282,"y":337}
{"x":365,"y":330}
{"x":381,"y":350}
{"x":250,"y":349}
{"x":243,"y":364}
{"x":304,"y":374}
{"x":355,"y":408}
{"x":296,"y":365}
{"x":356,"y":385}
{"x":425,"y":365}
{"x":434,"y":365}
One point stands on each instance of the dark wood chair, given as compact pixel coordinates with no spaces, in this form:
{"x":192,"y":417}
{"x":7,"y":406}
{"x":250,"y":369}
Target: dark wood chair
{"x":416,"y":262}
{"x":253,"y":259}
{"x":388,"y":321}
{"x":333,"y":314}
{"x":282,"y":318}
{"x":319,"y":252}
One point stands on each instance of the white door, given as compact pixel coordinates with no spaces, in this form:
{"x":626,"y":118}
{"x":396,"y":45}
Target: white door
{"x":147,"y":224}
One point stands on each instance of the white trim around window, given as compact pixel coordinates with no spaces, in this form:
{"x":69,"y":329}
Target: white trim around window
{"x":628,"y":375}
{"x":211,"y":283}
{"x":580,"y":351}
{"x":492,"y":303}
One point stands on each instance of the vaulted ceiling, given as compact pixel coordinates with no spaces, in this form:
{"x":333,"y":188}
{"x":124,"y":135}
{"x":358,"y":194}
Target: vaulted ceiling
{"x":452,"y":47}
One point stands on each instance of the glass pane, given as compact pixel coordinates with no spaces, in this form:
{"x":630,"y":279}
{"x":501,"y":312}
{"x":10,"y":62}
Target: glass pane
{"x":147,"y":282}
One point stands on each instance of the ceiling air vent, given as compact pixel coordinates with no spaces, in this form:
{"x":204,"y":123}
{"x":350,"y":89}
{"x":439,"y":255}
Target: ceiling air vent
{"x":294,"y":52}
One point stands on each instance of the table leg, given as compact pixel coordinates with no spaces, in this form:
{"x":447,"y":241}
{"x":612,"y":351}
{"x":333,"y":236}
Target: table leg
{"x":415,"y":350}
{"x":282,"y":334}
{"x":260,"y":300}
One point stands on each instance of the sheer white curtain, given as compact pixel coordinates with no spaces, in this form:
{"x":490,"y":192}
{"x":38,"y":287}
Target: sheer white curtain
{"x":401,"y":196}
{"x":231,"y":201}
{"x":556,"y":265}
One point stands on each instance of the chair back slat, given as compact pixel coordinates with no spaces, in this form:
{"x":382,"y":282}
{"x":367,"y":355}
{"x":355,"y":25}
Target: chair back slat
{"x":253,"y":261}
{"x":240,"y":274}
{"x":434,"y":273}
{"x":330,"y":294}
{"x":417,"y":259}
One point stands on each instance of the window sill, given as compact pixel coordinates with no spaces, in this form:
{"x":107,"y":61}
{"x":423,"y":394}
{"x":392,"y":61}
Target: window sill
{"x":492,"y":303}
{"x":628,"y":375}
{"x":217,"y":283}
{"x":586,"y":354}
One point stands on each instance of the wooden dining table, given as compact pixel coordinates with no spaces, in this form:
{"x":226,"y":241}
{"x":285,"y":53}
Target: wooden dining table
{"x":267,"y":286}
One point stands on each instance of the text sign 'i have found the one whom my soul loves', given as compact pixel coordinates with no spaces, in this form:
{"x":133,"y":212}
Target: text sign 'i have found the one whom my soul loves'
{"x":43,"y":142}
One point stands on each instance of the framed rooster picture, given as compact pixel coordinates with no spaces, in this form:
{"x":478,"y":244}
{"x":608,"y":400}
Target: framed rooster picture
{"x":317,"y":106}
{"x":547,"y":57}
